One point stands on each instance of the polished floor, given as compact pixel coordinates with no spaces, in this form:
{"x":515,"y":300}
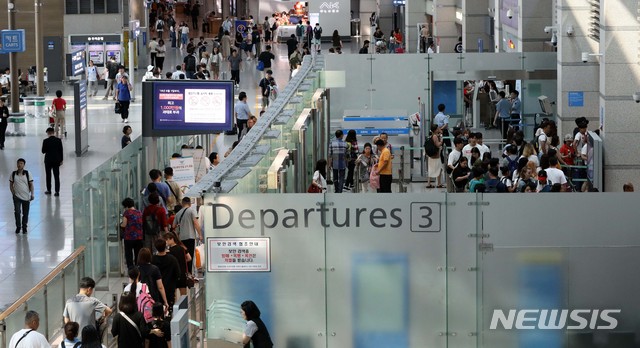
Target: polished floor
{"x":26,"y":259}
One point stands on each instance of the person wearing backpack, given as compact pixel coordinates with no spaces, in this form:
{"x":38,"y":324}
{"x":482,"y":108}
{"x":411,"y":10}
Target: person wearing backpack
{"x":71,"y":339}
{"x":150,"y":278}
{"x":159,"y":329}
{"x":160,"y":27}
{"x":189,"y":64}
{"x":265,"y":87}
{"x":21,"y":186}
{"x":129,"y":326}
{"x":300,"y":31}
{"x":493,"y":184}
{"x":154,"y":220}
{"x":189,"y":229}
{"x":317,"y":36}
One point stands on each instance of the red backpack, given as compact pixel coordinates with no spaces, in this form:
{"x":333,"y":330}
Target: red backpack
{"x":145,"y":303}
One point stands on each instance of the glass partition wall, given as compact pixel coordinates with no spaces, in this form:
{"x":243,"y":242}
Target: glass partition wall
{"x":425,"y":270}
{"x":98,"y":203}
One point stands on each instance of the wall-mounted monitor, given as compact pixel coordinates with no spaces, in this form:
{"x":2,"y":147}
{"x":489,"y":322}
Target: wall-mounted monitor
{"x":185,"y":107}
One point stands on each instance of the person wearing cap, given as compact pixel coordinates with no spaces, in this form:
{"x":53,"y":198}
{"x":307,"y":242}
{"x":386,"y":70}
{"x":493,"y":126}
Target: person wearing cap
{"x":149,"y":74}
{"x":567,"y":151}
{"x":53,"y":156}
{"x":186,"y":221}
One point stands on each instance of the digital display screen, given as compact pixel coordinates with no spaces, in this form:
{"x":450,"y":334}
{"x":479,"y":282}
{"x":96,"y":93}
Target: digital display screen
{"x":197,"y":107}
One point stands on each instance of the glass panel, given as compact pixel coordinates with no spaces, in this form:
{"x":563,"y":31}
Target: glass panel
{"x":408,"y":70}
{"x":350,"y":78}
{"x":112,"y":6}
{"x":71,"y":281}
{"x":55,"y":304}
{"x":36,"y":303}
{"x":294,"y":285}
{"x":98,"y":6}
{"x":385,"y":284}
{"x":85,"y":6}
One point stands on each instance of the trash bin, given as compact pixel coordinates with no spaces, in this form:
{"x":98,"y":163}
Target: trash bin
{"x":40,"y":109}
{"x":34,"y":107}
{"x":29,"y":106}
{"x":16,"y":124}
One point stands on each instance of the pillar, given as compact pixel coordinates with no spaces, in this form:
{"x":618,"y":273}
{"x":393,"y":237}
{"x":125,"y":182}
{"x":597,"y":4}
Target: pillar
{"x":573,"y":74}
{"x":619,"y":79}
{"x":475,"y":24}
{"x":414,"y":14}
{"x":445,"y":31}
{"x":532,"y":17}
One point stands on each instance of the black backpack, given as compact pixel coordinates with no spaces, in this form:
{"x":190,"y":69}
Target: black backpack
{"x":150,"y":225}
{"x":13,"y":175}
{"x":430,"y":148}
{"x":160,"y":25}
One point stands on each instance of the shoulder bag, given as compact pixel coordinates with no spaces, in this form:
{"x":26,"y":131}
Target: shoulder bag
{"x":131,"y":322}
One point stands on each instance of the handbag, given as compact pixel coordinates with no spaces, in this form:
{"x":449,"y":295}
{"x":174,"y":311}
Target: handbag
{"x":374,"y":178}
{"x":314,"y":189}
{"x":118,"y":108}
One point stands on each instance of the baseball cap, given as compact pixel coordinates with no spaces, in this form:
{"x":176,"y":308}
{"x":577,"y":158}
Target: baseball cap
{"x":568,"y":137}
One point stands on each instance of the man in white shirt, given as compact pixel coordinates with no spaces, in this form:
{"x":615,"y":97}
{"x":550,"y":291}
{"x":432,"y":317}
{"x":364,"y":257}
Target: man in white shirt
{"x":466,"y":150}
{"x":482,"y":147}
{"x":21,"y":186}
{"x":29,"y":337}
{"x":555,"y":175}
{"x":455,"y":155}
{"x":177,"y":74}
{"x":153,"y":50}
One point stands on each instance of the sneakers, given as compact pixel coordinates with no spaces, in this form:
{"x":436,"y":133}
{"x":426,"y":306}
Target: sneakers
{"x":24,"y":230}
{"x":57,"y":194}
{"x":17,"y":230}
{"x":126,"y":120}
{"x":47,"y":192}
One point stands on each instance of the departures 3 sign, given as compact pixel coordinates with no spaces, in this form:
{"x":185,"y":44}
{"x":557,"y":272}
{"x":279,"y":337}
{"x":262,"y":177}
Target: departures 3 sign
{"x":421,"y":217}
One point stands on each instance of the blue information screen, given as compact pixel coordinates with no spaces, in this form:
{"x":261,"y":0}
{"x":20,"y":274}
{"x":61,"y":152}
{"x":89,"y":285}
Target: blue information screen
{"x":200,"y":107}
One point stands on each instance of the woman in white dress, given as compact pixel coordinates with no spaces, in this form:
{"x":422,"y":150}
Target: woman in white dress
{"x":434,"y":163}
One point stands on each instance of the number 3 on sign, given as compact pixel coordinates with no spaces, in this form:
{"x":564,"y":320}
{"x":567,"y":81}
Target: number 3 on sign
{"x":425,"y":217}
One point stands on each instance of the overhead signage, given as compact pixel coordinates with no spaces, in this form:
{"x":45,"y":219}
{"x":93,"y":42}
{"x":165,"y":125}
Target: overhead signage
{"x":199,"y":107}
{"x":13,"y":41}
{"x":82,"y":39}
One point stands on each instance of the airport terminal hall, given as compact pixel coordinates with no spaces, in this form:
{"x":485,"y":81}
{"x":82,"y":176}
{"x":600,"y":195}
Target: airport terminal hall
{"x":319,"y":174}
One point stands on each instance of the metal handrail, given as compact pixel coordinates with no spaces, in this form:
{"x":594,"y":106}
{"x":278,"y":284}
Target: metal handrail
{"x":41,"y":284}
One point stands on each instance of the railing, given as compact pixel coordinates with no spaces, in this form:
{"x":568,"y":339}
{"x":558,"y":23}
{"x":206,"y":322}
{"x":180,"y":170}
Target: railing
{"x":48,"y":298}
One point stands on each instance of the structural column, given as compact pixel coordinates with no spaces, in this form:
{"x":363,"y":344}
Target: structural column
{"x":532,"y":17}
{"x":445,"y":31}
{"x":619,"y":79}
{"x":475,"y":25}
{"x":575,"y":77}
{"x":414,"y":14}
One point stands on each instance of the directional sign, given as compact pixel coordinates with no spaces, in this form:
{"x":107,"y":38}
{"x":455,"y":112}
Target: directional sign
{"x":13,"y":40}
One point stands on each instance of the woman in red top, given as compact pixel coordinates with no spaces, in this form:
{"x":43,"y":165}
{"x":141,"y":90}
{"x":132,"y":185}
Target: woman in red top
{"x":154,"y":208}
{"x":59,"y":105}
